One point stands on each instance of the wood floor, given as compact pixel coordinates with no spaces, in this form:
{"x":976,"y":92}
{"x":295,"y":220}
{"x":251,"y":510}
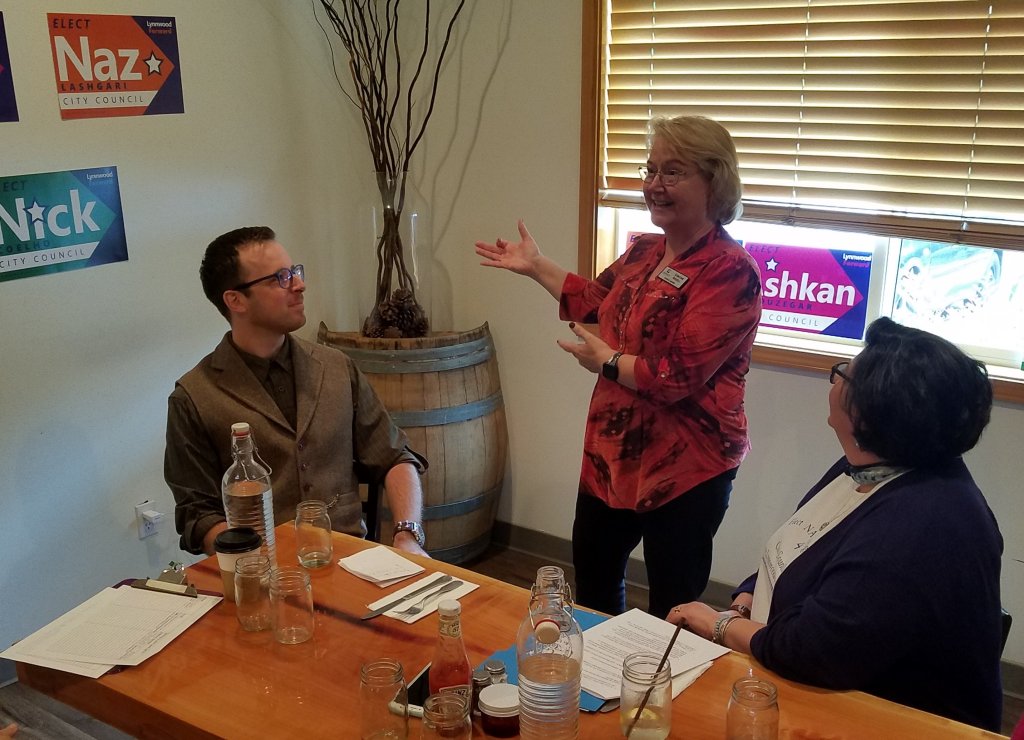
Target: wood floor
{"x":43,"y":718}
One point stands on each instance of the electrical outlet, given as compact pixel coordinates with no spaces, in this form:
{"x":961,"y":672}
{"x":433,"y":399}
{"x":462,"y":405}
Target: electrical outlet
{"x":147,"y":519}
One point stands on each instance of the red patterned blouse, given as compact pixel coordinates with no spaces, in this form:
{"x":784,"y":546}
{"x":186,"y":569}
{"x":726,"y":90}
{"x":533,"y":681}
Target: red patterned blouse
{"x":685,"y":423}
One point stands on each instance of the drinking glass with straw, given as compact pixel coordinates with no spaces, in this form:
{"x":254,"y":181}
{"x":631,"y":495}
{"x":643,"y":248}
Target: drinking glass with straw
{"x":651,"y":717}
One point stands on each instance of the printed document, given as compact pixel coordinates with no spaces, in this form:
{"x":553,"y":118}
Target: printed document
{"x":606,"y":645}
{"x":117,"y":626}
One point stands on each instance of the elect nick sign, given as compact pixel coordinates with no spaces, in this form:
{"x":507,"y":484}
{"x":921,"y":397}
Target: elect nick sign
{"x":115,"y":65}
{"x":58,"y":221}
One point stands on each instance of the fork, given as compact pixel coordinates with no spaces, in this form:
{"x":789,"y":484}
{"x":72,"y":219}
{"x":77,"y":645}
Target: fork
{"x":420,"y":605}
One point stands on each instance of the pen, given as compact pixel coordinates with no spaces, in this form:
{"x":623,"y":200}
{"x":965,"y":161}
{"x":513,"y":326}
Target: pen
{"x":400,"y":709}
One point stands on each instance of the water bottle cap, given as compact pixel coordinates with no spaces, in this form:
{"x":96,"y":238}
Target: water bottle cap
{"x":449,"y":608}
{"x":239,"y":429}
{"x":547,"y":631}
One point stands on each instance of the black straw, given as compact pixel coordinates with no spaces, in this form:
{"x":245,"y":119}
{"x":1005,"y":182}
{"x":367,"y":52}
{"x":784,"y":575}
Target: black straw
{"x":647,"y":696}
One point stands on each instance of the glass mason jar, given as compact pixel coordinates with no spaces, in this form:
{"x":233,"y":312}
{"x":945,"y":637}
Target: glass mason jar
{"x":641,"y":678}
{"x":291,"y":605}
{"x":384,"y":701}
{"x":753,"y":712}
{"x":313,"y":534}
{"x":446,"y":717}
{"x":252,"y":592}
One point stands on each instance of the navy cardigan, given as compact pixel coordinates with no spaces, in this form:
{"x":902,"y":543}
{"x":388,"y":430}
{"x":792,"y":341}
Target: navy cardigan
{"x":900,"y":599}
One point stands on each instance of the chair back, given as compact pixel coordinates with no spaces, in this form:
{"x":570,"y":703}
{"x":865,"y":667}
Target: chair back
{"x":371,"y":511}
{"x":1007,"y":621}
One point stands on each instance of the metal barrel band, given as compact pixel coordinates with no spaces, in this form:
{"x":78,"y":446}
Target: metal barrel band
{"x":437,"y":512}
{"x":458,"y":508}
{"x":448,"y":414}
{"x":399,"y":361}
{"x":461,"y":553}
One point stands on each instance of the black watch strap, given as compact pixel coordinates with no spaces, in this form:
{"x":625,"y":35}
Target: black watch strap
{"x":610,"y":369}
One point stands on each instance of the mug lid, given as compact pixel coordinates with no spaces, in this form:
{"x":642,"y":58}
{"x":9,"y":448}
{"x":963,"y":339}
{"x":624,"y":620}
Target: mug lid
{"x":237,"y":539}
{"x":500,"y":700}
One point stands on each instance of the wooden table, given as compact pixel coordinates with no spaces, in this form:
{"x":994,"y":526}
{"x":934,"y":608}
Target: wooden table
{"x":216,"y":680}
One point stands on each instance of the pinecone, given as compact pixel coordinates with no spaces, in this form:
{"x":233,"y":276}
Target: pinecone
{"x":388,"y":312}
{"x":372,"y":327}
{"x":398,"y":316}
{"x":411,"y":318}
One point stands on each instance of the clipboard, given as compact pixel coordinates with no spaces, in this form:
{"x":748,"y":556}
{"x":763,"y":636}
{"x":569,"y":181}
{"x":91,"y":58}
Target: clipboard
{"x":178,"y":589}
{"x":170,"y":581}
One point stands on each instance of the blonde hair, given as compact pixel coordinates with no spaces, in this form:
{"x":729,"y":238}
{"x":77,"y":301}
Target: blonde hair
{"x":708,"y":145}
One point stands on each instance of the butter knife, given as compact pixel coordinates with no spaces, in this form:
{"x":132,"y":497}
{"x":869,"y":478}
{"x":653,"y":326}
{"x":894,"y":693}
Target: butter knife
{"x":392,"y":604}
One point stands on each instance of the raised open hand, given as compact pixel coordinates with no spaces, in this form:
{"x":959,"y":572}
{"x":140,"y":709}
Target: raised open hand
{"x":519,"y":257}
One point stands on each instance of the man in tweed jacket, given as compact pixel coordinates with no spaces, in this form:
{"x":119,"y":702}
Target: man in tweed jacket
{"x":317,"y":422}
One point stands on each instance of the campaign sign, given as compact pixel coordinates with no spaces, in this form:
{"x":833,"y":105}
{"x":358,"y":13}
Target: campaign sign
{"x":115,"y":65}
{"x":819,"y":291}
{"x":8,"y":105}
{"x":58,"y":221}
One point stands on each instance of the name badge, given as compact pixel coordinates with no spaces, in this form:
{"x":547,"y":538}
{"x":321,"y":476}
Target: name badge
{"x":673,"y":277}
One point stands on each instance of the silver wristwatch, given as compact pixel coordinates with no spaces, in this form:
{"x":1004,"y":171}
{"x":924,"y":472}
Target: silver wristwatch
{"x":414,"y":528}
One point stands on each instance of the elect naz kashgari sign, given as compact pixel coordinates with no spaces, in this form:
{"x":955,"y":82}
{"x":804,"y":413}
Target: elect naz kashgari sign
{"x":115,"y":65}
{"x":814,"y":290}
{"x":58,"y":221}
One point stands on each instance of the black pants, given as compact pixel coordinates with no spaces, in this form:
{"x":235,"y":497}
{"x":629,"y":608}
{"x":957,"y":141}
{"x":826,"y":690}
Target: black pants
{"x":677,"y":541}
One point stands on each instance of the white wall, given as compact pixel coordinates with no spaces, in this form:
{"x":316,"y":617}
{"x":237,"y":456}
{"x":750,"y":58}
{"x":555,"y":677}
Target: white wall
{"x":89,"y":356}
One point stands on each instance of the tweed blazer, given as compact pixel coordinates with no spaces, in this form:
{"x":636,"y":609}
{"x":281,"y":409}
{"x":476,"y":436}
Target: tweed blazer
{"x":342,"y":435}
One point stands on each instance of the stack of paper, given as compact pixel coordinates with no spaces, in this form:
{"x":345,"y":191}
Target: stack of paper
{"x":117,"y":626}
{"x":380,"y":565}
{"x":607,"y":644}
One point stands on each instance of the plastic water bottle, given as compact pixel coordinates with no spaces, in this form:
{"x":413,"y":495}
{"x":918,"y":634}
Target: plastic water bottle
{"x":248,"y":497}
{"x":549,"y":654}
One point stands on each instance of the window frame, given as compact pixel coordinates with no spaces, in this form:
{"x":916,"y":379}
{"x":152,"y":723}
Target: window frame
{"x":593,"y":30}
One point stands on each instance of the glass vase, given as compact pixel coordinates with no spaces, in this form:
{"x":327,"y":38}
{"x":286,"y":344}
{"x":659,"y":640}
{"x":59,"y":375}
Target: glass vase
{"x":401,"y":285}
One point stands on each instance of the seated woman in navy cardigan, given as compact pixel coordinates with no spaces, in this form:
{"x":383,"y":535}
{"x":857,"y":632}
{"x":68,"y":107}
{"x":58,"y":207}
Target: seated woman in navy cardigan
{"x":886,"y":579}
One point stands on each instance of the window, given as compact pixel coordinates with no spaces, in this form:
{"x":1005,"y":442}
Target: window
{"x":890,"y":130}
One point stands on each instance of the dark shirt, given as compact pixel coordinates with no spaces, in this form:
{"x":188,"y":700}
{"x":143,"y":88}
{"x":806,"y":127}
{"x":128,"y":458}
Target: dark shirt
{"x":900,"y":599}
{"x":276,"y":376}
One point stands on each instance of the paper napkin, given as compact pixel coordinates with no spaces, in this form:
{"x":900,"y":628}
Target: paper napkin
{"x":380,"y":565}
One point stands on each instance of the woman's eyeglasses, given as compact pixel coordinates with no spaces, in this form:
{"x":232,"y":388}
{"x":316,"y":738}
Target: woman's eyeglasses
{"x":837,"y":370}
{"x":668,"y":177}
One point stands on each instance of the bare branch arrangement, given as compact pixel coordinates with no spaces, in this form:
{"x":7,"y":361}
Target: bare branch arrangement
{"x":389,"y":106}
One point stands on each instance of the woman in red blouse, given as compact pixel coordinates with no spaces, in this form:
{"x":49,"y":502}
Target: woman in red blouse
{"x":676,"y":317}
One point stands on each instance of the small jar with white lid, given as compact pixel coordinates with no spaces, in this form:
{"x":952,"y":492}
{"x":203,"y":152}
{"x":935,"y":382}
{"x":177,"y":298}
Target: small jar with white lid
{"x":499,"y":710}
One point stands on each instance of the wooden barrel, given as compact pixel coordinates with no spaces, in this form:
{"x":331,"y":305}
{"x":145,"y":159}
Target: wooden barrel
{"x":445,"y":393}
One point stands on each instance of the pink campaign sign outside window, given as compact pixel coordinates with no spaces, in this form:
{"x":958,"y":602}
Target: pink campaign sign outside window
{"x":813,"y":290}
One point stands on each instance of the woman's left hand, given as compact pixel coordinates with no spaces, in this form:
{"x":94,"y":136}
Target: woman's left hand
{"x":697,"y":617}
{"x":591,"y":353}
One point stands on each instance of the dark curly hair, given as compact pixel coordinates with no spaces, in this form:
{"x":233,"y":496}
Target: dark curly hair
{"x":219,"y":270}
{"x":916,"y":399}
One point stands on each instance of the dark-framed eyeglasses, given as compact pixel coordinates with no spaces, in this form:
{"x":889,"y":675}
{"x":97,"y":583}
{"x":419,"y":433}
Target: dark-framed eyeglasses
{"x":284,"y":277}
{"x":838,"y":370}
{"x":668,"y":177}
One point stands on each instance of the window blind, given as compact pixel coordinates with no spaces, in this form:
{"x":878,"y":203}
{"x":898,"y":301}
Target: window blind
{"x":902,"y":118}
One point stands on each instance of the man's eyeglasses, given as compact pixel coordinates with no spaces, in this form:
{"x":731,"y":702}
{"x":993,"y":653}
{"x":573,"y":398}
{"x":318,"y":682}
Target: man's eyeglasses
{"x":838,"y":369}
{"x":284,"y":277}
{"x":668,"y":177}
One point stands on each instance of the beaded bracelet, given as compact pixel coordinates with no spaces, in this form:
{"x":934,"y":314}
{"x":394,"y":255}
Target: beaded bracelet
{"x":721,"y":625}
